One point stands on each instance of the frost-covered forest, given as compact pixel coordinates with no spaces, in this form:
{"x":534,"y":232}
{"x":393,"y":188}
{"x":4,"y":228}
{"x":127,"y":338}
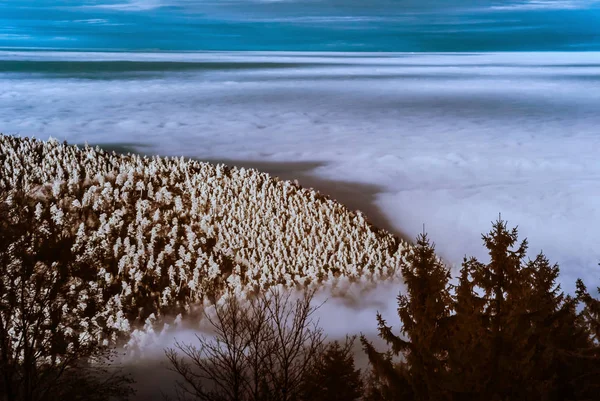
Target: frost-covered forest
{"x":166,"y":233}
{"x":95,"y":246}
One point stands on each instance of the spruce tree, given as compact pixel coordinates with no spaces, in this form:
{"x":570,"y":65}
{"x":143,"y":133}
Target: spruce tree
{"x":423,"y":310}
{"x":469,"y":353}
{"x":333,"y":376}
{"x":515,"y":334}
{"x":588,"y":380}
{"x":551,"y":331}
{"x":388,"y":380}
{"x":591,"y":313}
{"x":506,"y":331}
{"x":503,"y":285}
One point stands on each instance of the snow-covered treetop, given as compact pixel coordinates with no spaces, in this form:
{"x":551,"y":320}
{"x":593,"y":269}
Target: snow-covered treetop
{"x":167,"y":232}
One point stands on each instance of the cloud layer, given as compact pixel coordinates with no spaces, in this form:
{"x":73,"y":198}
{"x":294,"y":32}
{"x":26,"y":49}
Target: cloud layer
{"x":448,"y":141}
{"x":378,"y":25}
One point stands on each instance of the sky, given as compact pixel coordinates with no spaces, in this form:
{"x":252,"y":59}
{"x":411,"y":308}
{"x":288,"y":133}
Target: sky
{"x":302,"y":25}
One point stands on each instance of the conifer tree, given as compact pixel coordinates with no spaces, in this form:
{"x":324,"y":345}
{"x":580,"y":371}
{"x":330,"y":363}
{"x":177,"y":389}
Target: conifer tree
{"x":503,"y":284}
{"x":553,"y":331}
{"x":388,"y":380}
{"x":515,"y":335}
{"x":542,"y":332}
{"x":373,"y":388}
{"x":591,"y":312}
{"x":588,"y":379}
{"x":423,"y":310}
{"x":468,"y":339}
{"x":506,"y":331}
{"x":333,"y":376}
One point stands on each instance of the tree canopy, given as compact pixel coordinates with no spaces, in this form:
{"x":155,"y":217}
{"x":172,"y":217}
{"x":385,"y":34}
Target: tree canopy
{"x":504,"y":331}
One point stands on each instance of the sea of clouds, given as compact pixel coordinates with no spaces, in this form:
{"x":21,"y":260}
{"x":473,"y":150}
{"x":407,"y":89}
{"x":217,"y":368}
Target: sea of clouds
{"x":445,"y":140}
{"x":448,"y":141}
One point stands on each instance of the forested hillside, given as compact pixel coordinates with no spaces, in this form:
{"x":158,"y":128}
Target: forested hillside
{"x":160,"y":234}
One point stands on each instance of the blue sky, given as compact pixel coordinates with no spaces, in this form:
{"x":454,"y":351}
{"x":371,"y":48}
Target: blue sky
{"x":311,"y":25}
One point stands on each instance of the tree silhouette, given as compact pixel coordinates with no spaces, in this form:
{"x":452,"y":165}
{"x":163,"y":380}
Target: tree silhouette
{"x":423,"y":310}
{"x":388,"y":379}
{"x":49,"y":326}
{"x":591,"y":313}
{"x":468,"y":339}
{"x":549,"y":312}
{"x":504,"y":284}
{"x":588,"y":373}
{"x":523,"y":335}
{"x":332,"y":376}
{"x":504,"y":331}
{"x":262,"y":350}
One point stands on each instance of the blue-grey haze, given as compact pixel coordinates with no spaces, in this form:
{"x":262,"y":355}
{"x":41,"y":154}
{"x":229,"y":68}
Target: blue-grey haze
{"x":308,"y":25}
{"x":448,"y":140}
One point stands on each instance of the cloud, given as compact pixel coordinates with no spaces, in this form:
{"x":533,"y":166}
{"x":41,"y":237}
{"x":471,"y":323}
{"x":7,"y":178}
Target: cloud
{"x":547,"y":5}
{"x":94,"y":21}
{"x":345,"y":6}
{"x":326,"y":19}
{"x":375,"y":25}
{"x":14,"y":36}
{"x":131,"y":5}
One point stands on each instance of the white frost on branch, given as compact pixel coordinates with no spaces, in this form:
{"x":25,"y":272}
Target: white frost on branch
{"x":166,"y":233}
